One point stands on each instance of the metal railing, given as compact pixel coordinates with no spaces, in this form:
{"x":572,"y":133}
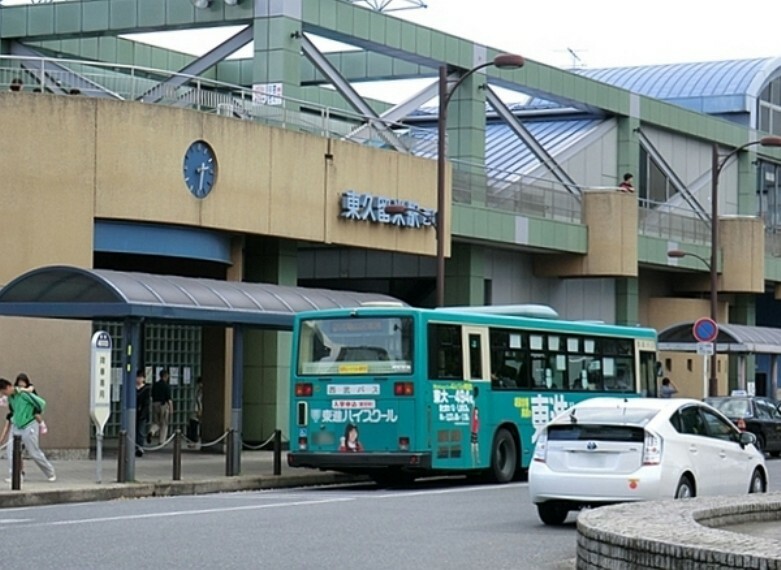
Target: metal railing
{"x":136,"y":83}
{"x":510,"y":192}
{"x":472,"y":184}
{"x":663,"y":220}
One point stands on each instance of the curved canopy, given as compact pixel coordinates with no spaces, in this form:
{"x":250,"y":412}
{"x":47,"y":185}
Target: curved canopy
{"x":75,"y":293}
{"x":738,"y":339}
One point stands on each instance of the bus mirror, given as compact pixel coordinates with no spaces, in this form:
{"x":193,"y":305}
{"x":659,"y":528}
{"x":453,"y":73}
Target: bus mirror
{"x":659,"y":369}
{"x":475,"y":391}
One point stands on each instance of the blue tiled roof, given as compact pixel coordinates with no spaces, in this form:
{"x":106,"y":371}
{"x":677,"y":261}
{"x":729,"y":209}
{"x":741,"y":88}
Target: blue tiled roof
{"x":712,"y":87}
{"x":506,"y":156}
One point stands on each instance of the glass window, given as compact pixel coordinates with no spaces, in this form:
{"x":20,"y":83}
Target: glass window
{"x":355,"y":346}
{"x":689,"y":421}
{"x":718,"y":427}
{"x":446,"y":359}
{"x":507,"y":359}
{"x":475,"y":357}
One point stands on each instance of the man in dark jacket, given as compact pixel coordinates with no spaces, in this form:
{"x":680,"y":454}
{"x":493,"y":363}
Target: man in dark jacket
{"x":143,"y":403}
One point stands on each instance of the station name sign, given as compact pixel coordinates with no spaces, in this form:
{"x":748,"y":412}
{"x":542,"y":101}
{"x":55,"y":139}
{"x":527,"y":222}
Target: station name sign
{"x":369,"y":208}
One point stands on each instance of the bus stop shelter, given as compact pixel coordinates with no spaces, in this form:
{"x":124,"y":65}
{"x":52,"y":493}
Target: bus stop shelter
{"x":739,"y":341}
{"x":65,"y":292}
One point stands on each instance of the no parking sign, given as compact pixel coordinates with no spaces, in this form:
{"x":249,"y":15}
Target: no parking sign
{"x":705,"y":330}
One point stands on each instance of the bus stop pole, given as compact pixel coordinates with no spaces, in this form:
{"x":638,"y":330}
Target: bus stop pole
{"x":131,"y":357}
{"x":236,"y":398}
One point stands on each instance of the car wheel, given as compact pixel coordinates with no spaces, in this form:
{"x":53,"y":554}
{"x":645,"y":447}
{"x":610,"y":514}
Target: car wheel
{"x":504,"y":457}
{"x":758,"y":484}
{"x":760,"y":444}
{"x":775,"y":454}
{"x":685,"y":489}
{"x":553,"y":513}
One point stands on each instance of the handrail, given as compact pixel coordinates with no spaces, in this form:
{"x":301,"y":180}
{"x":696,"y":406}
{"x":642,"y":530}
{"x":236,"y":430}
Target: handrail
{"x":131,"y":82}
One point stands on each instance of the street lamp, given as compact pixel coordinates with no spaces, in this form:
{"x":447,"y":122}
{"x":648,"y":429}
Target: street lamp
{"x":717,"y":164}
{"x":501,"y":61}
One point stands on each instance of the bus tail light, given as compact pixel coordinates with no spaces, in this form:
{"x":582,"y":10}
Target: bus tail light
{"x":302,"y":443}
{"x":304,"y":389}
{"x":404,"y":389}
{"x":403,"y":443}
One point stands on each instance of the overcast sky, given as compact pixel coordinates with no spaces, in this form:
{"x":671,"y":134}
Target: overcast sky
{"x":602,"y":33}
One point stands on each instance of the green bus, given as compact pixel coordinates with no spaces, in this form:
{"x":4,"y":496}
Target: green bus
{"x":397,"y":392}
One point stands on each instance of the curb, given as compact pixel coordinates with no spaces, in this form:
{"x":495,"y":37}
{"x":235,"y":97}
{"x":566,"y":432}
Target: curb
{"x":113,"y":491}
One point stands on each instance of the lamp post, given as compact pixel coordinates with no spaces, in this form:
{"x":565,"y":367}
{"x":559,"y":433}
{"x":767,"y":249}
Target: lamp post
{"x":717,"y":164}
{"x":501,"y":61}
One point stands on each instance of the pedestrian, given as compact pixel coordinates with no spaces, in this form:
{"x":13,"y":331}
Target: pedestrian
{"x":626,"y":184}
{"x":23,"y":381}
{"x":194,"y":426}
{"x":143,"y":403}
{"x":668,"y":388}
{"x":24,"y":406}
{"x":162,"y":405}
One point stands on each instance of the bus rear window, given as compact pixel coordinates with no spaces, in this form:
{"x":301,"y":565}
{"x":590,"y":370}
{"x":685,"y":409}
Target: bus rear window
{"x":355,"y":345}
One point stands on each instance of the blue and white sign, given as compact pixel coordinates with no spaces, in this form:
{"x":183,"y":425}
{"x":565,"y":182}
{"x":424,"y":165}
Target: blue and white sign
{"x":100,"y":379}
{"x":705,"y":330}
{"x":368,"y":208}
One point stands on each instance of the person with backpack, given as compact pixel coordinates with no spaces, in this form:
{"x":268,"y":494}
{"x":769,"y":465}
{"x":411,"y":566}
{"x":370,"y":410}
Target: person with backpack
{"x":24,"y":406}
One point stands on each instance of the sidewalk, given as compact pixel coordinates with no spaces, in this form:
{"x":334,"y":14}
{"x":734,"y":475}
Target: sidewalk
{"x":202,"y":472}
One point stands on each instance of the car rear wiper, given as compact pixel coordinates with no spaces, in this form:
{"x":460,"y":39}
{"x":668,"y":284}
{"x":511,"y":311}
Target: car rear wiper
{"x":572,"y":417}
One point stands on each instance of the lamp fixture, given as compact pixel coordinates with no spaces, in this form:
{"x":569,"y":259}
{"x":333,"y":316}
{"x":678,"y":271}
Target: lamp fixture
{"x":201,"y":3}
{"x":232,"y":2}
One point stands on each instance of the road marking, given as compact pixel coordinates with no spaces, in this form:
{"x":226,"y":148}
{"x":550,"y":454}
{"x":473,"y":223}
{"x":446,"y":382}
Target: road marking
{"x":14,"y":521}
{"x":183,"y":513}
{"x":446,"y":491}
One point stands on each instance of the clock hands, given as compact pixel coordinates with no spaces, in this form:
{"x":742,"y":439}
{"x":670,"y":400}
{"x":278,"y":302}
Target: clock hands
{"x":201,"y":171}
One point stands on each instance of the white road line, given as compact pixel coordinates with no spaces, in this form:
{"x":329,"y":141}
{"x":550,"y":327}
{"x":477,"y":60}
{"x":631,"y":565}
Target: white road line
{"x":182,"y":513}
{"x":14,"y":521}
{"x":446,"y":491}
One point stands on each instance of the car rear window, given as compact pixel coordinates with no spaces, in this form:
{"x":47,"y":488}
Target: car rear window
{"x":591,"y":432}
{"x":618,"y":416}
{"x":732,"y":407}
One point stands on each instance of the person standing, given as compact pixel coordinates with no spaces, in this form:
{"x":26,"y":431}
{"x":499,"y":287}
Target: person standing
{"x":24,"y":406}
{"x":143,"y":403}
{"x":162,"y":405}
{"x":668,"y":388}
{"x":626,"y":184}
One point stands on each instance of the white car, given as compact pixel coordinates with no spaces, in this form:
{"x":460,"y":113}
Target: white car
{"x":609,"y":450}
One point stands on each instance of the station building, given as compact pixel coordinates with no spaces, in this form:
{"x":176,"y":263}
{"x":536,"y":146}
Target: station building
{"x":117,"y":156}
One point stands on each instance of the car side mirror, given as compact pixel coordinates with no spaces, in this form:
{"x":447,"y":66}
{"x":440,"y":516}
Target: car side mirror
{"x":747,"y":438}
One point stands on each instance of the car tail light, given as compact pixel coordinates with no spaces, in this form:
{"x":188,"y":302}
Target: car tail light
{"x":741,"y":423}
{"x":404,"y":389}
{"x":541,"y":447}
{"x":652,"y":449}
{"x":303,"y":444}
{"x":303,"y":389}
{"x":404,"y":443}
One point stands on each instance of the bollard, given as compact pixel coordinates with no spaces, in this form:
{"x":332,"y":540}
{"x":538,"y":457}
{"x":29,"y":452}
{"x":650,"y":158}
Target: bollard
{"x":178,"y":455}
{"x":16,"y":464}
{"x":121,"y":459}
{"x":277,"y":452}
{"x":229,"y":451}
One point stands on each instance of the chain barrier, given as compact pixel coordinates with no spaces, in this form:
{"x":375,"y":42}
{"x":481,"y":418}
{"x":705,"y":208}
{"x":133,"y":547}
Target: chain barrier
{"x":259,"y":446}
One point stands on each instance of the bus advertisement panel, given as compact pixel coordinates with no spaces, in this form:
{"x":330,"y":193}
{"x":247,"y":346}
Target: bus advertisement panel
{"x":398,"y":393}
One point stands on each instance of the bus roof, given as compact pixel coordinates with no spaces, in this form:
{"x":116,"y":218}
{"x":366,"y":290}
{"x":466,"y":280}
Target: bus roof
{"x":476,"y":316}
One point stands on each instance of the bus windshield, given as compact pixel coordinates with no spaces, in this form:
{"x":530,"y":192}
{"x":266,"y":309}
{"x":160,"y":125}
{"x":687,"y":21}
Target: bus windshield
{"x":349,"y":346}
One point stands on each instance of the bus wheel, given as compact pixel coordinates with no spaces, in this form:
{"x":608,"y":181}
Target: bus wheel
{"x":504,"y":457}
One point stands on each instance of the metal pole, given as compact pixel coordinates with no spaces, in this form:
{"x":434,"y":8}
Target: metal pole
{"x":229,"y":444}
{"x":713,"y":383}
{"x":98,"y":454}
{"x":441,"y":150}
{"x":277,"y":452}
{"x":121,"y":457}
{"x":16,"y":464}
{"x":178,"y":455}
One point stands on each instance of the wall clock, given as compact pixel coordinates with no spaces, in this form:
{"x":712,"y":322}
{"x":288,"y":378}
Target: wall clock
{"x":200,"y":168}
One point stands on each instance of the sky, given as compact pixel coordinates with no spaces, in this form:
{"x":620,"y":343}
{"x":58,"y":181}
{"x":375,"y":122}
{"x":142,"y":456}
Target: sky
{"x":605,"y":33}
{"x":575,"y":33}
